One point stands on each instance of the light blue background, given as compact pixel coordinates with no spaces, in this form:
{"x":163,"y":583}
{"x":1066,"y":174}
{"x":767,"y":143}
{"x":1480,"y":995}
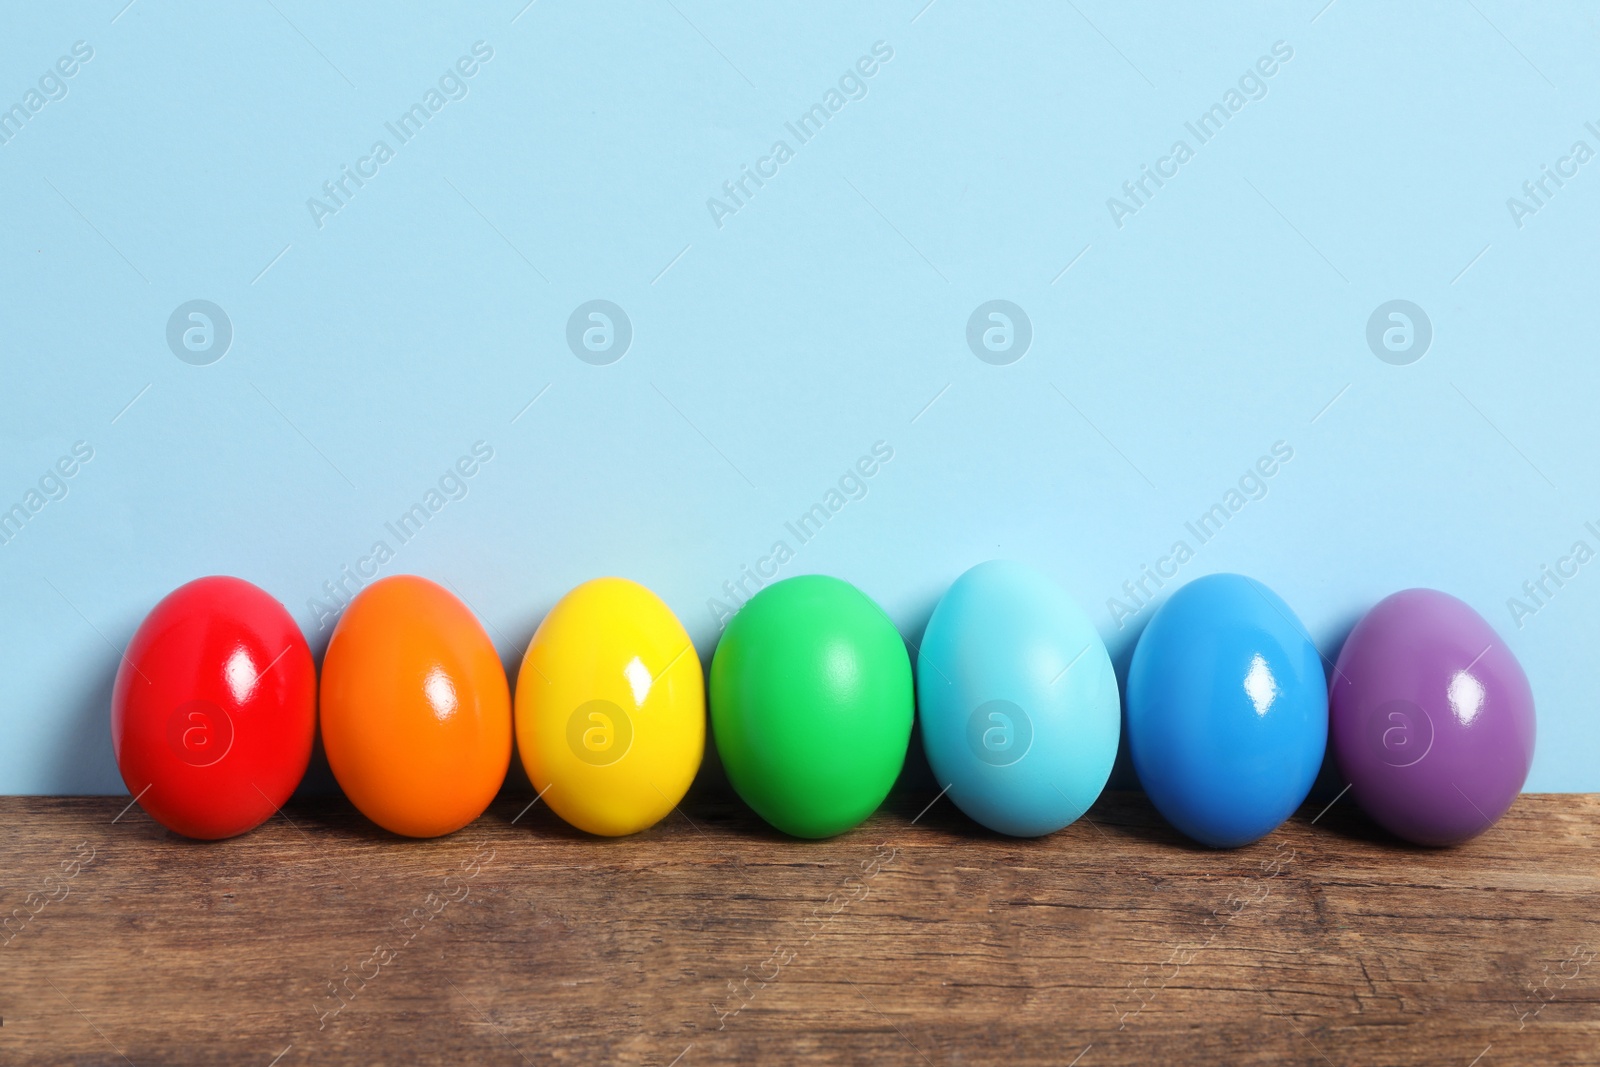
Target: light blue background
{"x":770,"y":353}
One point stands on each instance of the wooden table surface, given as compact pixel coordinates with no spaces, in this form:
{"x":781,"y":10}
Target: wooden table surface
{"x":916,"y":939}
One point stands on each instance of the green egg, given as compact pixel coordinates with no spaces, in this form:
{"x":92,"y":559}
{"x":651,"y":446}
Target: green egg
{"x":811,"y":704}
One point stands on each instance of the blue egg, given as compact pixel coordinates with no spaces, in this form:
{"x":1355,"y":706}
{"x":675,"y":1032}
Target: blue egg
{"x":1227,"y":710}
{"x":1017,"y":699}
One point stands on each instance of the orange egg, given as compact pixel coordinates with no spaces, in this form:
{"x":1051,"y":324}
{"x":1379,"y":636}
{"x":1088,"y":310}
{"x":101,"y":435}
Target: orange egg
{"x":416,"y":712}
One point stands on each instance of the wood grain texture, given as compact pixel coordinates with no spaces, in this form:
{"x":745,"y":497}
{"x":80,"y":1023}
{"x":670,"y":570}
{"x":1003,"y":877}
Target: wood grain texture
{"x":711,"y":939}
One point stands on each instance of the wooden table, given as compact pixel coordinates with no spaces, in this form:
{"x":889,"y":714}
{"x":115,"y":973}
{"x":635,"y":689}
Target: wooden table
{"x":916,"y":939}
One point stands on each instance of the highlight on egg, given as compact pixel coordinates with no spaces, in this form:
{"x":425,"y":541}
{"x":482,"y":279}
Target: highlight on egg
{"x":416,"y":711}
{"x":1017,"y":700}
{"x":1228,"y":715}
{"x":610,"y":708}
{"x":1432,"y":718}
{"x":1227,"y":710}
{"x":214,"y":709}
{"x":811,"y":704}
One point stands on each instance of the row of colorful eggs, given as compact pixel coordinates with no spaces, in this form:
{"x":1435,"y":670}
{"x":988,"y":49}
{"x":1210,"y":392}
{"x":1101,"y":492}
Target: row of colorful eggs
{"x":1228,"y":710}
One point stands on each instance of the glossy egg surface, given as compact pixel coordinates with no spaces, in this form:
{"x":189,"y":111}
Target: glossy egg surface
{"x":610,"y":708}
{"x":1227,"y":710}
{"x":1432,"y":718}
{"x":214,"y":709}
{"x":811,"y":704}
{"x":416,"y":712}
{"x":1017,"y":700}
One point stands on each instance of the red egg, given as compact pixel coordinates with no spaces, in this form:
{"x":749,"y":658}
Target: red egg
{"x":214,"y":709}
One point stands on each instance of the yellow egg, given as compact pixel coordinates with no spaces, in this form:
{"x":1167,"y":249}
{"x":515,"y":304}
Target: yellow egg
{"x":611,"y":708}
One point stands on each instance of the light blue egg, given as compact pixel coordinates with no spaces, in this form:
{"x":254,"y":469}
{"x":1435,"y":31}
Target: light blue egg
{"x":1227,"y":710}
{"x":1017,"y":700}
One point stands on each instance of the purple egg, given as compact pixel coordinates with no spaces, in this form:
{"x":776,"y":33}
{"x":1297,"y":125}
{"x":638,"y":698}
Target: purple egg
{"x":1431,"y":718}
